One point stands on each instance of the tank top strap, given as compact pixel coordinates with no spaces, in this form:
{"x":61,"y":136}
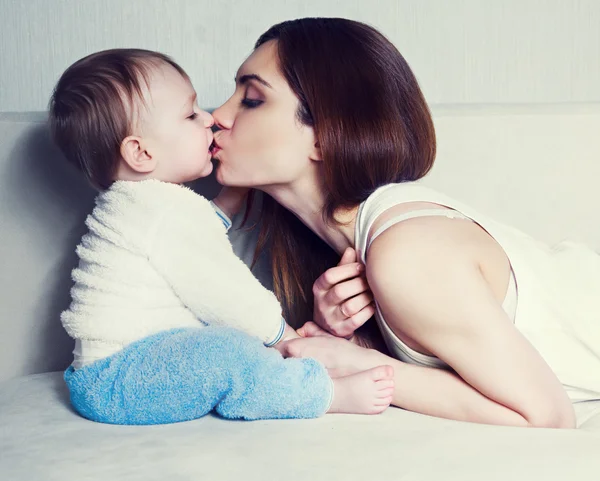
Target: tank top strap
{"x":450,"y":214}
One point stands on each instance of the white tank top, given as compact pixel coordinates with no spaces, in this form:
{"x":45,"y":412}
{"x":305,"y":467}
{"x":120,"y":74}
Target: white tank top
{"x":553,"y":296}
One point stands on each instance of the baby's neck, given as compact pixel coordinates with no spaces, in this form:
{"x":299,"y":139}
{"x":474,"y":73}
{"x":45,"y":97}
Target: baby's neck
{"x":124,"y":172}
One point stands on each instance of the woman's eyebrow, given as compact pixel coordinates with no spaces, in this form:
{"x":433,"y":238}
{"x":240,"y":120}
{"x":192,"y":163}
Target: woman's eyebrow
{"x":252,"y":76}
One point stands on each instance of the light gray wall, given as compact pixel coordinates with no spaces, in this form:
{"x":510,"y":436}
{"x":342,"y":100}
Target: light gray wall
{"x":463,"y":51}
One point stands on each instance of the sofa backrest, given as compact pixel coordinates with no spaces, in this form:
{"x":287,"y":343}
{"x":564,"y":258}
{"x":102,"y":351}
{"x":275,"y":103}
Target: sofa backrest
{"x":534,"y":167}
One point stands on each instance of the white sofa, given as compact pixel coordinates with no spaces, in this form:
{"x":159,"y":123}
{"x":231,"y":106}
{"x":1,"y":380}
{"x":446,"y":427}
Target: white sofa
{"x":535,"y":167}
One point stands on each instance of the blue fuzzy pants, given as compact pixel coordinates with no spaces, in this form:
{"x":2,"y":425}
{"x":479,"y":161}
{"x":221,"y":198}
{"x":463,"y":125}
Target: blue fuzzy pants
{"x":183,"y":374}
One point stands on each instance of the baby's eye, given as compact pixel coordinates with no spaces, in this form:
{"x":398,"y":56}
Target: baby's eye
{"x":194,"y":116}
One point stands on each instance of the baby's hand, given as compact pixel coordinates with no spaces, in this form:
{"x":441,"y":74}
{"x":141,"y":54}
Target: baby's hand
{"x":231,"y":199}
{"x":288,"y":334}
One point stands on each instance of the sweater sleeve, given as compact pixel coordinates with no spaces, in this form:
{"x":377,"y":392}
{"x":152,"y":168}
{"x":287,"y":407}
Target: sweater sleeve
{"x":189,"y":247}
{"x":221,"y":215}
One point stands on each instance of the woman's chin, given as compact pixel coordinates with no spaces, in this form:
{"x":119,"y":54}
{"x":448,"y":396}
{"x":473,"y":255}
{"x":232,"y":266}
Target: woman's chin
{"x":225,"y":177}
{"x":220,"y":175}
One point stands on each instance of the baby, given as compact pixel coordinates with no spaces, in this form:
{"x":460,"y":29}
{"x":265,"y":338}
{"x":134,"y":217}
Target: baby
{"x":168,"y":322}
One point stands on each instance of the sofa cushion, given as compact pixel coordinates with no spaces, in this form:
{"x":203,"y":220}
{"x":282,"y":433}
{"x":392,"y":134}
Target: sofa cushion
{"x":42,"y":438}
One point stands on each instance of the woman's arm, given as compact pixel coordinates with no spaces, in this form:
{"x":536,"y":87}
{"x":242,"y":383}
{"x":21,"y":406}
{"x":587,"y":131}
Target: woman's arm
{"x":444,"y":394}
{"x":430,"y":391}
{"x":430,"y":288}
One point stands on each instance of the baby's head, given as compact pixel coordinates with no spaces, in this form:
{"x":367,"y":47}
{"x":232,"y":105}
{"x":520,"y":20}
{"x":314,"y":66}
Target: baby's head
{"x":129,"y":114}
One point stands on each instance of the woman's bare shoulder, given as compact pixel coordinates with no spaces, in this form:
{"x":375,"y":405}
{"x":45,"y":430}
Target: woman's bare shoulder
{"x":423,"y":235}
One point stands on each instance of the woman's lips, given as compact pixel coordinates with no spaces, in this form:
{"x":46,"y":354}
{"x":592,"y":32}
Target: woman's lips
{"x":214,"y":148}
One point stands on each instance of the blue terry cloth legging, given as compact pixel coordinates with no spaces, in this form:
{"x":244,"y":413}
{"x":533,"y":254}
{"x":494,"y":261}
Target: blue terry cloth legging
{"x":183,"y":374}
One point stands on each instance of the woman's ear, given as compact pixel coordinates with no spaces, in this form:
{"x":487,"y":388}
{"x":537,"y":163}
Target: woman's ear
{"x":136,"y":156}
{"x":316,"y":153}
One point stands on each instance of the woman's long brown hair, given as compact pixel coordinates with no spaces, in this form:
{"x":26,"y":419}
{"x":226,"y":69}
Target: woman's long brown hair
{"x":372,"y":125}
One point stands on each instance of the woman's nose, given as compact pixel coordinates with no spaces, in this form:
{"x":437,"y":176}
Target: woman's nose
{"x":222,"y":116}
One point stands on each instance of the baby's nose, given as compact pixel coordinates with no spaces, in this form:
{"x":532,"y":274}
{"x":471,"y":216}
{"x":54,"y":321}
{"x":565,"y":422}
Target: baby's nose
{"x":209,"y":120}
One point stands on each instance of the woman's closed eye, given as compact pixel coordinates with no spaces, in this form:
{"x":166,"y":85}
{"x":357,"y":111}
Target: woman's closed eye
{"x":251,"y":103}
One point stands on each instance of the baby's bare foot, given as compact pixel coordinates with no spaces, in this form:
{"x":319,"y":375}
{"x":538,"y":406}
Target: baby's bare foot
{"x":366,"y":392}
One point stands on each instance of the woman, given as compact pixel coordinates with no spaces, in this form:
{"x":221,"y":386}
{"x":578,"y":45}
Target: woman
{"x":482,"y":323}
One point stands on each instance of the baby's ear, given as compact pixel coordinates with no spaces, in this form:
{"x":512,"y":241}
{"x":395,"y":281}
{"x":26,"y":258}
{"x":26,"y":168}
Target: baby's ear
{"x":136,"y":156}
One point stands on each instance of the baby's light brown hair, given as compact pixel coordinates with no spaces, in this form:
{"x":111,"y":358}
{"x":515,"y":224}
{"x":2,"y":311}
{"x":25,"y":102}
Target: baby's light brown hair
{"x":91,"y":110}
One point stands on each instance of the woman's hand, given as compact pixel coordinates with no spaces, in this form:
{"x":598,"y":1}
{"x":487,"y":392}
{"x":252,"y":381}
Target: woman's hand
{"x":343,"y":301}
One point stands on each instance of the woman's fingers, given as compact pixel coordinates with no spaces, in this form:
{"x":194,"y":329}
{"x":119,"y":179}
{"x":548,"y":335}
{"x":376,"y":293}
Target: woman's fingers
{"x":360,"y":317}
{"x":335,"y":275}
{"x":347,"y":268}
{"x":344,"y":291}
{"x":348,"y":326}
{"x":341,"y":295}
{"x":348,"y":257}
{"x":356,"y":304}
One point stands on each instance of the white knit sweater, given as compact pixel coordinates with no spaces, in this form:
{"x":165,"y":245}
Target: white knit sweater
{"x":157,"y":257}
